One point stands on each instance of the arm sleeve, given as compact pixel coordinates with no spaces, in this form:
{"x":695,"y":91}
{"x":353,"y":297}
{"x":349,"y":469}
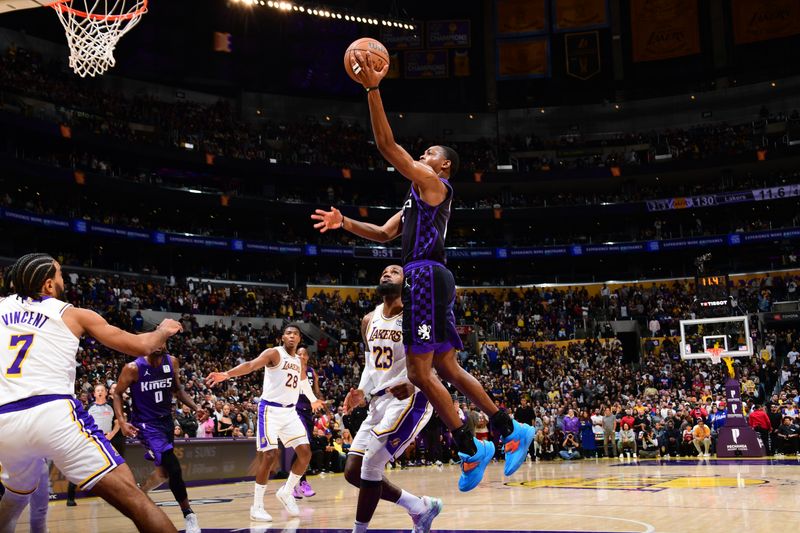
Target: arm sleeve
{"x":305,"y":388}
{"x":366,"y":380}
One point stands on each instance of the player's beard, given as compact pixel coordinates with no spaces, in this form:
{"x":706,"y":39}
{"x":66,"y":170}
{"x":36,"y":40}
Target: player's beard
{"x":389,"y":289}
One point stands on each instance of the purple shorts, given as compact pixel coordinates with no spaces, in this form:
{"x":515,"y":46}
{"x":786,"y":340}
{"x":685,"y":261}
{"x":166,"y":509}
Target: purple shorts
{"x":157,"y":437}
{"x":429,"y":322}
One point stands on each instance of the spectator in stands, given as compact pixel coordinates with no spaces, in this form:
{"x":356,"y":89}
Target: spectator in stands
{"x":787,"y":438}
{"x":649,"y":449}
{"x":701,"y":435}
{"x":759,"y":421}
{"x":609,"y":432}
{"x":570,"y":448}
{"x":587,"y":438}
{"x":187,"y":421}
{"x":627,"y":441}
{"x":671,"y":440}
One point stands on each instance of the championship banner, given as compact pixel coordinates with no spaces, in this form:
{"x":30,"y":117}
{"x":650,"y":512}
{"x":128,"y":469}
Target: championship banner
{"x":448,"y":34}
{"x":526,"y":58}
{"x":521,"y":17}
{"x":759,"y":20}
{"x":400,"y":39}
{"x":579,"y":14}
{"x":426,"y":64}
{"x":663,"y":29}
{"x":582,"y":53}
{"x":461,"y":63}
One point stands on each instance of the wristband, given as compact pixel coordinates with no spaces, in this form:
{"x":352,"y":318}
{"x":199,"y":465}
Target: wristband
{"x":368,"y":89}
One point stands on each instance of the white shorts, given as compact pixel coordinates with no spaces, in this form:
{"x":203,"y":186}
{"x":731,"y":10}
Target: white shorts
{"x":279,"y":423}
{"x":392,"y":424}
{"x":57,"y":428}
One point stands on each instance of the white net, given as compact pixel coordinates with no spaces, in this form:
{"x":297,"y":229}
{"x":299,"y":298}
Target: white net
{"x":93,"y":29}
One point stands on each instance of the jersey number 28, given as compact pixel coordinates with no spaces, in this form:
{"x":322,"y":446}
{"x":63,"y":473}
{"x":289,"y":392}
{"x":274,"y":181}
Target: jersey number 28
{"x":15,"y":370}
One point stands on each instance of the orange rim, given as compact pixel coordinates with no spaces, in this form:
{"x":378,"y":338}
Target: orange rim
{"x":61,"y":5}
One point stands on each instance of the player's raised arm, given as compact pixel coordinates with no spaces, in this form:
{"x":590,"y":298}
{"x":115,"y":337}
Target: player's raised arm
{"x":269,"y":357}
{"x":422,"y":175}
{"x":334,"y":219}
{"x":179,"y":389}
{"x":86,"y":322}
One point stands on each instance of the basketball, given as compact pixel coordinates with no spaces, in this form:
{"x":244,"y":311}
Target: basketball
{"x":365,"y":44}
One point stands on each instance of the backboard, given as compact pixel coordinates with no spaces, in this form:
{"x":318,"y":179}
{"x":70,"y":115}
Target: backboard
{"x":725,"y":336}
{"x":18,"y":5}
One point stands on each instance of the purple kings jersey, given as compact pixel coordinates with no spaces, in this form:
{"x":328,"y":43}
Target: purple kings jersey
{"x":302,"y":401}
{"x":152,"y":393}
{"x":425,"y":227}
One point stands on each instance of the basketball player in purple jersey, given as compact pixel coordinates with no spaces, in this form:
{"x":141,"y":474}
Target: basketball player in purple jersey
{"x":303,"y":407}
{"x":153,"y":380}
{"x":429,"y":331}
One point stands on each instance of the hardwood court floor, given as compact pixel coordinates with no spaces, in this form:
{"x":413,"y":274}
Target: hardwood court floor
{"x":583,"y":496}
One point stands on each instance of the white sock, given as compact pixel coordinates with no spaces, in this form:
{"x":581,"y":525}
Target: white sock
{"x":360,"y":527}
{"x":292,"y":481}
{"x":413,"y":504}
{"x":258,"y":496}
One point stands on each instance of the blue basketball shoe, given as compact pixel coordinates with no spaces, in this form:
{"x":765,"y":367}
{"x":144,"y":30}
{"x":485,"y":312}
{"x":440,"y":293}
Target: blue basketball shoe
{"x":472,"y":468}
{"x":516,"y":446}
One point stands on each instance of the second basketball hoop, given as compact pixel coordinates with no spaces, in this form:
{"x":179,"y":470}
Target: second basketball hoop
{"x":93,"y":29}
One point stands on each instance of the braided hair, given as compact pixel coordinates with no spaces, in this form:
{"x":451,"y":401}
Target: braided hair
{"x":29,"y":272}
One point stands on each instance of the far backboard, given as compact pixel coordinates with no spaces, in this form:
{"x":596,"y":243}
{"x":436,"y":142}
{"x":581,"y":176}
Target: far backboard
{"x":17,"y":5}
{"x":729,"y":336}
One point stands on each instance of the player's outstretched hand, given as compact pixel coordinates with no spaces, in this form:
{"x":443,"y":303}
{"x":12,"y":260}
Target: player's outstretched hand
{"x":216,"y":377}
{"x":370,"y":75}
{"x":319,"y":405}
{"x":170,"y":326}
{"x":352,"y":400}
{"x":129,"y":430}
{"x":402,"y":391}
{"x":332,"y":219}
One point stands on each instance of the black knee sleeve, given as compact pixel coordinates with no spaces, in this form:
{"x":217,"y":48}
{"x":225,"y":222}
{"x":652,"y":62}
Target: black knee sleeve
{"x":366,"y":483}
{"x":173,"y":468}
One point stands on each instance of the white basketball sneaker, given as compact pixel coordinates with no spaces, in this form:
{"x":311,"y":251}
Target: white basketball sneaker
{"x":192,"y":526}
{"x":287,"y":499}
{"x":259,"y":514}
{"x":423,"y":521}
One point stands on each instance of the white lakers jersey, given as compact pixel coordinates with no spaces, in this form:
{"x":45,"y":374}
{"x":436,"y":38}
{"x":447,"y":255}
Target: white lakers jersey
{"x":37,"y":350}
{"x":386,"y":355}
{"x":282,"y":382}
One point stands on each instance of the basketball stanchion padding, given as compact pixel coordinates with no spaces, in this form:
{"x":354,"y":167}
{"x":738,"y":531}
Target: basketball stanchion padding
{"x":93,"y":28}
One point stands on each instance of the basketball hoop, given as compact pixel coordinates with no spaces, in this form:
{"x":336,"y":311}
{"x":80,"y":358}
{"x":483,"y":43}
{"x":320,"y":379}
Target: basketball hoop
{"x":93,"y":29}
{"x":715,"y":354}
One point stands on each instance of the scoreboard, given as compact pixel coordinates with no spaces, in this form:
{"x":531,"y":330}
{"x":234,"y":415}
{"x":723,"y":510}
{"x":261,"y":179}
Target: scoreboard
{"x":712,"y":296}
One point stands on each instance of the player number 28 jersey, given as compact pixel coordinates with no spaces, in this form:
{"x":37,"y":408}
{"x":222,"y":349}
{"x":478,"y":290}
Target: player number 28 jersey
{"x":386,"y":356}
{"x":37,"y":350}
{"x":282,"y":382}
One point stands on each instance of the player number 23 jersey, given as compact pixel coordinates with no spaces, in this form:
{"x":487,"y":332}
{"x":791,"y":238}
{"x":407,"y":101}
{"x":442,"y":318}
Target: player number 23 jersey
{"x":282,"y":382}
{"x":386,"y":355}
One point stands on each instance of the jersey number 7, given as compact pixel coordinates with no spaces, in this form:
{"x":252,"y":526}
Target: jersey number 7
{"x":15,"y":370}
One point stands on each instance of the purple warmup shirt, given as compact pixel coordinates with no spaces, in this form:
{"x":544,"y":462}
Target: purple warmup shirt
{"x":152,"y":394}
